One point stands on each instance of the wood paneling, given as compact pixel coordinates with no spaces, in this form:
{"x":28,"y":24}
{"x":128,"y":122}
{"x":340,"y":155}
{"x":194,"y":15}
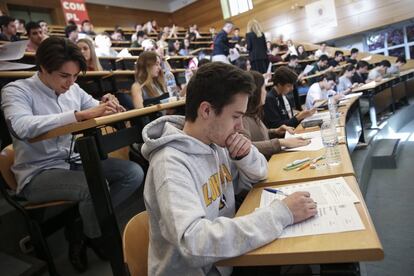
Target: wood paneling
{"x":276,"y":17}
{"x":108,"y":16}
{"x":100,"y":15}
{"x":54,"y":6}
{"x":204,"y":13}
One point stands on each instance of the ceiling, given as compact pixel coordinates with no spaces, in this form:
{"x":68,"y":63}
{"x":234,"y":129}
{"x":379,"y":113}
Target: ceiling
{"x":154,"y":5}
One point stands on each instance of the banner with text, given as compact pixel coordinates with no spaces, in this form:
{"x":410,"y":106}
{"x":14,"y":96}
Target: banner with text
{"x":74,"y":10}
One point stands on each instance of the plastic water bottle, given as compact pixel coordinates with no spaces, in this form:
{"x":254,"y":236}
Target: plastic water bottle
{"x":171,"y":84}
{"x":332,"y":109}
{"x":330,"y":142}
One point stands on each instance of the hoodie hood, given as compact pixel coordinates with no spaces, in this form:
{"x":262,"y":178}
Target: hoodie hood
{"x":168,"y":131}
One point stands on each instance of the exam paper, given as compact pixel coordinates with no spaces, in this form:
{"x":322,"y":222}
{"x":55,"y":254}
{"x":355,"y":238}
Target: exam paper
{"x":352,"y":95}
{"x":13,"y":50}
{"x":330,"y":219}
{"x":325,"y":116}
{"x":315,"y":144}
{"x":308,"y":68}
{"x":336,"y":210}
{"x":234,"y":54}
{"x":325,"y":192}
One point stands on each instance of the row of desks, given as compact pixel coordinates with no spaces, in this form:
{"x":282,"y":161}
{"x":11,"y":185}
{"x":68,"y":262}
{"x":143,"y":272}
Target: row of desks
{"x":384,"y":94}
{"x":331,"y":248}
{"x":342,"y":247}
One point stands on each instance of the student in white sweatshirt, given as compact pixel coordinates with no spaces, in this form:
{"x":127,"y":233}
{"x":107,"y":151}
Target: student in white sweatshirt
{"x":197,"y":165}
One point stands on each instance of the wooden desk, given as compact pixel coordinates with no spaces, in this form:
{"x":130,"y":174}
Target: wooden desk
{"x":201,"y":49}
{"x":105,"y":120}
{"x":342,"y":247}
{"x":277,"y":175}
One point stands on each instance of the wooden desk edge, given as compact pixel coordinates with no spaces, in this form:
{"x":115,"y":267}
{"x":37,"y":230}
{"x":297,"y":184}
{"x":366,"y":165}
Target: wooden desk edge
{"x":100,"y":121}
{"x":368,"y":253}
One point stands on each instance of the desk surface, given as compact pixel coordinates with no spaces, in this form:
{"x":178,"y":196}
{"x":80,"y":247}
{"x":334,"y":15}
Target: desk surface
{"x":278,"y":175}
{"x":353,"y":246}
{"x":105,"y":120}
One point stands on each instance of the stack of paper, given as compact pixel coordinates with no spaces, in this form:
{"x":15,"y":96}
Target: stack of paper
{"x":13,"y":51}
{"x":325,"y":116}
{"x":336,"y":209}
{"x":315,"y":144}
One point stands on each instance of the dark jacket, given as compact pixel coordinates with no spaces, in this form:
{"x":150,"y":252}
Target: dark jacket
{"x":256,"y":46}
{"x":357,"y":78}
{"x":275,"y":113}
{"x":221,"y":44}
{"x":3,"y":37}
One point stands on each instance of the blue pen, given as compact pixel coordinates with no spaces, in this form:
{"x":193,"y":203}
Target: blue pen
{"x":274,"y":191}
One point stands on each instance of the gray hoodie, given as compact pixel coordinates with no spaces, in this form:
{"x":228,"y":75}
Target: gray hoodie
{"x":189,"y":196}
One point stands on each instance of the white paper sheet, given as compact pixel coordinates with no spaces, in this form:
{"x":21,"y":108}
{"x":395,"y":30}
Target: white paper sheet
{"x":352,"y":95}
{"x":315,"y":144}
{"x":325,"y":192}
{"x":269,"y":68}
{"x":234,"y":54}
{"x":13,"y":50}
{"x":7,"y":66}
{"x":330,"y":219}
{"x":308,"y":68}
{"x":336,"y":210}
{"x":325,"y":116}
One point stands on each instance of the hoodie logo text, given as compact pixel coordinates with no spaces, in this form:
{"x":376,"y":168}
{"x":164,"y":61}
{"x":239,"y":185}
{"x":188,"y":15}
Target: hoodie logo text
{"x":214,"y":185}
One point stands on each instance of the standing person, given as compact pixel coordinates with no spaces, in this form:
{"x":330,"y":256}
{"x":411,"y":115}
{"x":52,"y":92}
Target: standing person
{"x":221,"y":44}
{"x":47,"y":170}
{"x":277,"y":109}
{"x":35,"y":35}
{"x":256,"y":45}
{"x":8,"y":29}
{"x":88,"y":52}
{"x":197,"y":164}
{"x":266,"y":140}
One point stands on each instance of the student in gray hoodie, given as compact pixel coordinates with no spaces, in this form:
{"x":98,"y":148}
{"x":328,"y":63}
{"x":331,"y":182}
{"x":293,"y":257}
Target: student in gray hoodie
{"x":197,"y":165}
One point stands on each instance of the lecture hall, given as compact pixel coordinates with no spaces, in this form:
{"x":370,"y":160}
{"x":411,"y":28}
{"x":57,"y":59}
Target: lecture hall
{"x":206,"y":137}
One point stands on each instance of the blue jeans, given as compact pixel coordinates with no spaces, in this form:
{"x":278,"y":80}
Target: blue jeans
{"x":124,"y":177}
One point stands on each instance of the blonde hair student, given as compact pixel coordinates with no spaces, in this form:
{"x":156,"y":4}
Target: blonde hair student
{"x":254,"y":26}
{"x":149,"y":79}
{"x":88,"y":52}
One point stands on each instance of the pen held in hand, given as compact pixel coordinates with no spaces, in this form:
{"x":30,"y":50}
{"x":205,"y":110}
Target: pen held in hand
{"x":274,"y":191}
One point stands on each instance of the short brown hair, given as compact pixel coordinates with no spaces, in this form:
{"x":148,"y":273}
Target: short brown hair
{"x":216,"y":83}
{"x":53,"y":52}
{"x":284,"y":75}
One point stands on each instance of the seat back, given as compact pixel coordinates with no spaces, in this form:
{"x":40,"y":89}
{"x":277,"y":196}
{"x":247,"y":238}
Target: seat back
{"x":135,"y":241}
{"x":6,"y":161}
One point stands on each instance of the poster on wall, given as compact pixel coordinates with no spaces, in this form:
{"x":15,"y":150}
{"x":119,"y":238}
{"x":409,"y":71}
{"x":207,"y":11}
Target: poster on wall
{"x":321,"y":14}
{"x":74,"y":10}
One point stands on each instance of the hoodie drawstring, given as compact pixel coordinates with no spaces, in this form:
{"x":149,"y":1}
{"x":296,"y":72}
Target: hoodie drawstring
{"x":216,"y":157}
